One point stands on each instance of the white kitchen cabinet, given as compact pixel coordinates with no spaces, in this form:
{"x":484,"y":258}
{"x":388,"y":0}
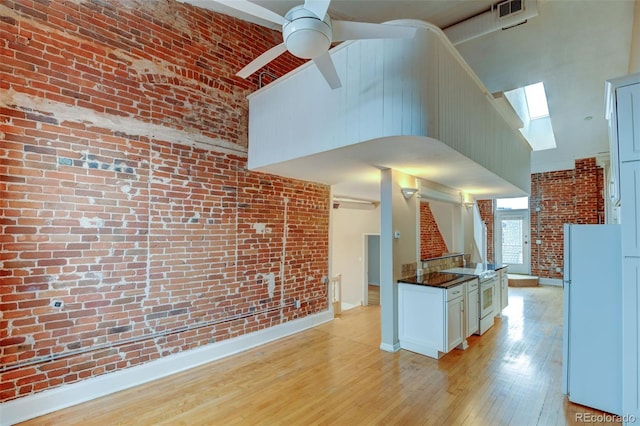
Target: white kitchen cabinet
{"x":628,"y":109}
{"x":471,"y":308}
{"x":431,"y":319}
{"x":497,"y":285}
{"x":630,"y":208}
{"x":623,"y":115}
{"x":623,"y":111}
{"x":455,"y":316}
{"x":504,"y":288}
{"x":630,"y":335}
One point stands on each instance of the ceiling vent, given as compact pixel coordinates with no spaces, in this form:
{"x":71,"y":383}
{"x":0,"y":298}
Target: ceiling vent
{"x":508,"y":8}
{"x":505,"y":14}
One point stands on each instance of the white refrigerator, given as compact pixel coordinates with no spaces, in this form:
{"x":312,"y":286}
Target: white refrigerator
{"x":592,"y":328}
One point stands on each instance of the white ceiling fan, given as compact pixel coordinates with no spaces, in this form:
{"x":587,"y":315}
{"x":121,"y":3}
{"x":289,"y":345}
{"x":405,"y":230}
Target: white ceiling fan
{"x":308,"y":32}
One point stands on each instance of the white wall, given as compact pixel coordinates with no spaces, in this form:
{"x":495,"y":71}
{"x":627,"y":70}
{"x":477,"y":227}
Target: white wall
{"x":347,"y":246}
{"x":472,"y":232}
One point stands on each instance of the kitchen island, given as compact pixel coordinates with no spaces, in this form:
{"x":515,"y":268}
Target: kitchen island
{"x":435,"y":312}
{"x":494,"y":289}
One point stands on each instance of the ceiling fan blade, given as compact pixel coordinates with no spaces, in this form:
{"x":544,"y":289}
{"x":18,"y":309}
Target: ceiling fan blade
{"x":262,"y":60}
{"x":318,"y":7}
{"x":328,"y":70}
{"x":253,"y":9}
{"x":346,"y":30}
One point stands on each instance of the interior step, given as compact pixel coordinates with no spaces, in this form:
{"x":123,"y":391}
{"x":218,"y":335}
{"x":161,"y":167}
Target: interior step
{"x":517,"y":280}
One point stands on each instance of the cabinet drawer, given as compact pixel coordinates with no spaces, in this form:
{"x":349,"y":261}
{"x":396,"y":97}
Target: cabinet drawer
{"x":472,"y":285}
{"x":455,"y":292}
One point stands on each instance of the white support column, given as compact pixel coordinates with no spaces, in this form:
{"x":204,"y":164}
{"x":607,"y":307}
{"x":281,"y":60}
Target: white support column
{"x":398,"y":240}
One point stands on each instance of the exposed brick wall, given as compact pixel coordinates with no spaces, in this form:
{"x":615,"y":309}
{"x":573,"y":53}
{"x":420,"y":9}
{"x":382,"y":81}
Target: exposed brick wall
{"x":565,"y":196}
{"x":158,"y":62}
{"x":125,"y":193}
{"x":431,"y":242}
{"x":486,"y":214}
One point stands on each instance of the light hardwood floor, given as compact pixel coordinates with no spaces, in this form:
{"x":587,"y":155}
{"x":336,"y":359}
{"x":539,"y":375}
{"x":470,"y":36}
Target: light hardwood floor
{"x":373,"y":295}
{"x":335,"y":374}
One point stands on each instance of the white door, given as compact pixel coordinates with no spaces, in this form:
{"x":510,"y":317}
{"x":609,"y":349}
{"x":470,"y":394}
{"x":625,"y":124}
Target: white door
{"x":512,"y":240}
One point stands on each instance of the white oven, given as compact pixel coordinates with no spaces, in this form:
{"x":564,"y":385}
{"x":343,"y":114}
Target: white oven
{"x":486,"y":301}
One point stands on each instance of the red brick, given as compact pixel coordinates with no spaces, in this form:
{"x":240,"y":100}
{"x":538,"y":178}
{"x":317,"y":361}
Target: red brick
{"x":147,"y":241}
{"x":432,"y":243}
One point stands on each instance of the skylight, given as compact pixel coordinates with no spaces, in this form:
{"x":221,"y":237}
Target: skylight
{"x":530,"y":103}
{"x":536,"y":101}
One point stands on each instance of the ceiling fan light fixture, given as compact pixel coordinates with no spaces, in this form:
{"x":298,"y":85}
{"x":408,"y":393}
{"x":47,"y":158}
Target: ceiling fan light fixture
{"x":307,"y":43}
{"x":307,"y":37}
{"x":307,"y":32}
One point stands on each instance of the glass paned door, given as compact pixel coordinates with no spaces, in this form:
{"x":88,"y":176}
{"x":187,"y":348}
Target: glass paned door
{"x":513,"y":241}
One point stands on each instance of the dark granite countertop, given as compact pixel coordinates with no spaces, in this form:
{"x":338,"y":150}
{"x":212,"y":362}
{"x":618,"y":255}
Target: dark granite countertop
{"x":438,"y":279}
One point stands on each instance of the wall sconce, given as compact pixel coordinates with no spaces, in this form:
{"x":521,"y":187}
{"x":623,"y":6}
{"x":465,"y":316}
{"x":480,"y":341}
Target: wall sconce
{"x":408,"y":192}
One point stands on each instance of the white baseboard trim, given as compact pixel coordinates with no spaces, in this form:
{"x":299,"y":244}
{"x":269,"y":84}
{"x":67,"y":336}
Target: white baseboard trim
{"x":390,"y":348}
{"x":550,"y":281}
{"x":29,"y":407}
{"x":346,"y":306}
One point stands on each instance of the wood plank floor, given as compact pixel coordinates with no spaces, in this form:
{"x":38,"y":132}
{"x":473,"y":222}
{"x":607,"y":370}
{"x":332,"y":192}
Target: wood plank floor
{"x":335,"y":374}
{"x":373,"y":295}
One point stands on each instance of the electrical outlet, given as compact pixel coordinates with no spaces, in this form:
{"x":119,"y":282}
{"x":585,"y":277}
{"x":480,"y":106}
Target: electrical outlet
{"x":59,"y":304}
{"x":296,"y":303}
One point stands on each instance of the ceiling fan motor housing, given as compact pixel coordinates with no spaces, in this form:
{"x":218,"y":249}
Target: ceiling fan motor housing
{"x":305,"y":35}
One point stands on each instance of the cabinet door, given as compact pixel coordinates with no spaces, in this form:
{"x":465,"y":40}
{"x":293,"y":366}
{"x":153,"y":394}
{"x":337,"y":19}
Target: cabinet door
{"x":471,"y":312}
{"x":630,"y":208}
{"x":630,"y":335}
{"x":628,"y":106}
{"x":421,"y":315}
{"x":455,"y":323}
{"x":504,"y":289}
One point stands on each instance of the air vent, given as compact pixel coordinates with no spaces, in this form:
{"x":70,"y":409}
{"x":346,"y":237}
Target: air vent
{"x":508,"y":8}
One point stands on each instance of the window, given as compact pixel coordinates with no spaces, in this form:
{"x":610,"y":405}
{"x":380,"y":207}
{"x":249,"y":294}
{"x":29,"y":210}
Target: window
{"x":519,"y":203}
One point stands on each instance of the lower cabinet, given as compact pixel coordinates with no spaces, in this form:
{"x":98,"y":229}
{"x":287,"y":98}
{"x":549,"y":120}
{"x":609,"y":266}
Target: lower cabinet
{"x":431,"y":320}
{"x":502,"y":292}
{"x":472,"y":308}
{"x":455,"y":317}
{"x":504,"y":288}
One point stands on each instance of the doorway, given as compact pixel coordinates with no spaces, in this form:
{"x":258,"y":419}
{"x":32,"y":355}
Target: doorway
{"x":512,"y":240}
{"x":371,"y":285}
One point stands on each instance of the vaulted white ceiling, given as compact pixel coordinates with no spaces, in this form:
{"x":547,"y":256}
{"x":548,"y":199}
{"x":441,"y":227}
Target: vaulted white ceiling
{"x":572,"y":46}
